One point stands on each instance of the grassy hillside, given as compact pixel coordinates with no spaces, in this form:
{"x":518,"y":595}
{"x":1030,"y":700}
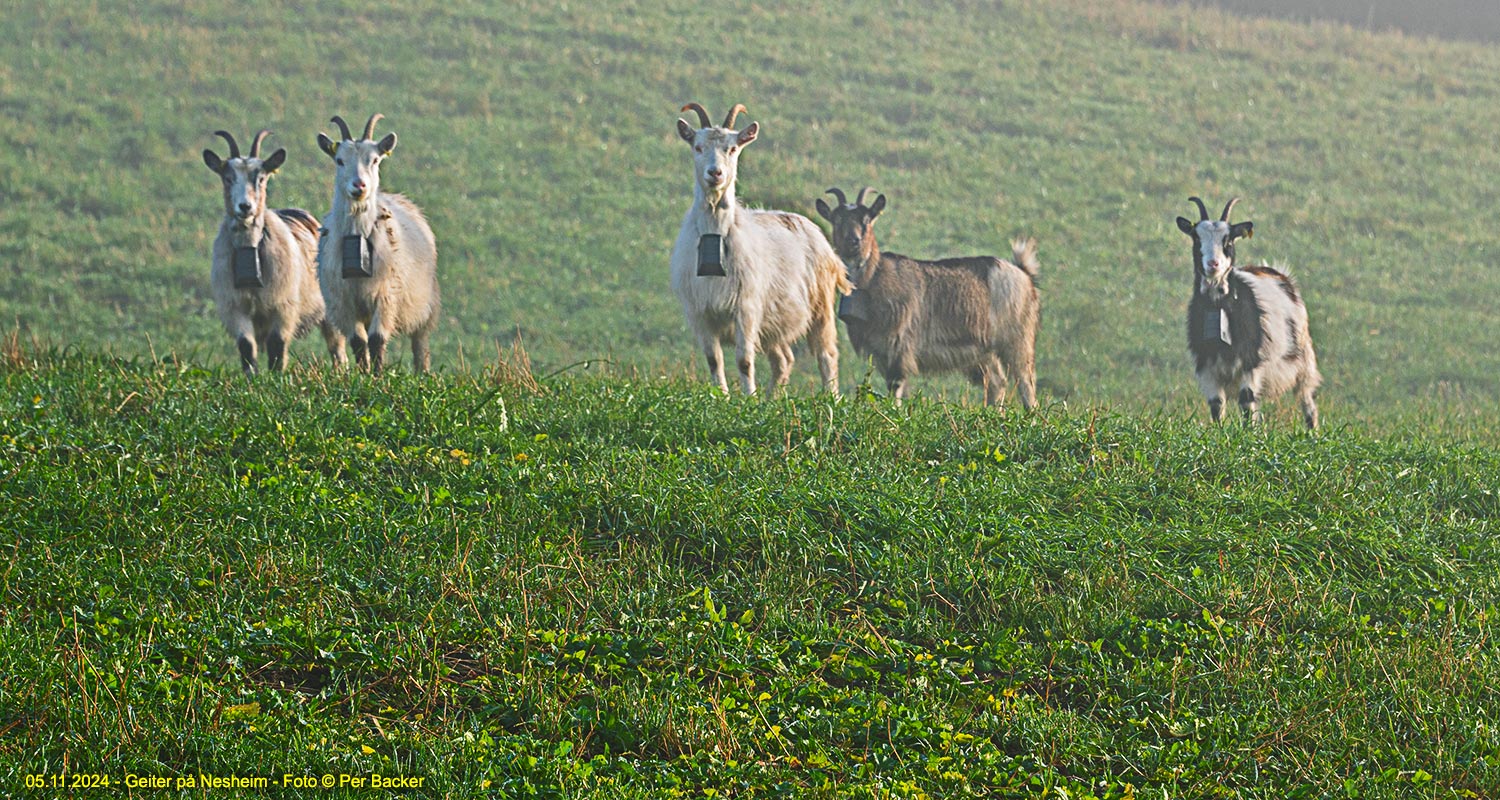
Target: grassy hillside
{"x":613,"y":583}
{"x":634,"y":588}
{"x":539,"y":137}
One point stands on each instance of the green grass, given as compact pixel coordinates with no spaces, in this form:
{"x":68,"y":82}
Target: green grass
{"x":631,"y":587}
{"x":626,"y":586}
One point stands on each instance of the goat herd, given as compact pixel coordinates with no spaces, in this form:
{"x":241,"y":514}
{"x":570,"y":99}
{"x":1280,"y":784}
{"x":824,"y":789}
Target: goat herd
{"x":761,"y":279}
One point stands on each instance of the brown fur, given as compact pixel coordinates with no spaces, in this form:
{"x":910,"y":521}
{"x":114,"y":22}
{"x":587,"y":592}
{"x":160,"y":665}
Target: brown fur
{"x":976,"y":315}
{"x":1285,"y":280}
{"x":297,"y":216}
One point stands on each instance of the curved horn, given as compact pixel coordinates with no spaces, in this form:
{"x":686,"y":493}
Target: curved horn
{"x":839,"y":193}
{"x":1202,"y":210}
{"x":370,"y":126}
{"x":1225,"y":216}
{"x":255,"y":145}
{"x":859,"y":201}
{"x":343,"y":127}
{"x":733,"y":112}
{"x":234,"y":148}
{"x":703,"y":120}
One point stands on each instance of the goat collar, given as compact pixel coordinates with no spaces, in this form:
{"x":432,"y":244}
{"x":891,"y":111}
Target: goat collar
{"x":1216,"y":324}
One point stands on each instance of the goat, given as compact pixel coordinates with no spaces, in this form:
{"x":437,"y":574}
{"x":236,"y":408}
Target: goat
{"x":377,"y":258}
{"x":760,"y":278}
{"x":1246,"y":326}
{"x":264,"y":275}
{"x":978,"y":314}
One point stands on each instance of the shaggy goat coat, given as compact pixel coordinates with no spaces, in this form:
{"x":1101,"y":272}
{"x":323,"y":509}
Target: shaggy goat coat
{"x":781,"y":278}
{"x":399,"y":296}
{"x":977,"y":315}
{"x":288,"y":303}
{"x":1247,"y":327}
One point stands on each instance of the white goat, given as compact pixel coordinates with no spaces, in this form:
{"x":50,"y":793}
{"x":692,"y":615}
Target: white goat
{"x":264,"y":275}
{"x":762,"y":279}
{"x":377,"y":259}
{"x":1247,"y":326}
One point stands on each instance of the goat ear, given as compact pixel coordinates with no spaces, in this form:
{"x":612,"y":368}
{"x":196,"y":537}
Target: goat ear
{"x":327,"y":145}
{"x":213,"y":161}
{"x":748,"y":135}
{"x":877,"y":206}
{"x":1244,"y":229}
{"x":823,"y":209}
{"x":274,"y":163}
{"x":387,"y":144}
{"x":1187,"y":227}
{"x":686,"y":131}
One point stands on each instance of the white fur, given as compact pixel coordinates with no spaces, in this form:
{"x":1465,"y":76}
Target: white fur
{"x":401,"y":296}
{"x":1276,"y":374}
{"x":290,"y":303}
{"x":781,"y":282}
{"x":1212,"y":234}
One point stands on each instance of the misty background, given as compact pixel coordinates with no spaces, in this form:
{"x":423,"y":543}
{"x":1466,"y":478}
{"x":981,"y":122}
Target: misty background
{"x":1455,"y":19}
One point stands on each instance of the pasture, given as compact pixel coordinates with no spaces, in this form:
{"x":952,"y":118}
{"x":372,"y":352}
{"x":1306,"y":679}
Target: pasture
{"x":576,"y":571}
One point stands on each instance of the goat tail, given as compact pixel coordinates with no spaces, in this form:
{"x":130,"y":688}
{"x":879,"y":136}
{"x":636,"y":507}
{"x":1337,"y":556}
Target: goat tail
{"x":297,"y":216}
{"x":1024,"y":255}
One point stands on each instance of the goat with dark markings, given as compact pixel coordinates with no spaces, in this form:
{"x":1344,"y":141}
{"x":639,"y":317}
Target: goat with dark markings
{"x":1247,"y":326}
{"x":976,"y":315}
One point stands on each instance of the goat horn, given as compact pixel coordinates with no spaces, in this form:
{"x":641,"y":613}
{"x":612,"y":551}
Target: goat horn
{"x":860,"y":200}
{"x":703,"y":120}
{"x":1203,"y":210}
{"x":234,"y":147}
{"x":839,"y":193}
{"x":255,"y":145}
{"x":370,"y":126}
{"x":1225,"y":216}
{"x":343,"y":127}
{"x":733,"y":112}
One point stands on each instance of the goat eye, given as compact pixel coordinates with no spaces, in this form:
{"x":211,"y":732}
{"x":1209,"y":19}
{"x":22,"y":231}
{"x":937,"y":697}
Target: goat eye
{"x":697,"y":148}
{"x":339,"y":161}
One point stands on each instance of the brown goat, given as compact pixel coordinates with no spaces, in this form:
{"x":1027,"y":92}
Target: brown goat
{"x":978,"y":315}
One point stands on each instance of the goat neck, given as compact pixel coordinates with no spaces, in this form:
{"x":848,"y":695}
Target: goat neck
{"x":358,"y":216}
{"x":864,"y":266}
{"x":247,"y":231}
{"x":718,"y":206}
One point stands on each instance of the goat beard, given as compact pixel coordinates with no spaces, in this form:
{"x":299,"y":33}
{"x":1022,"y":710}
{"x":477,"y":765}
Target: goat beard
{"x":248,"y":230}
{"x":714,"y":197}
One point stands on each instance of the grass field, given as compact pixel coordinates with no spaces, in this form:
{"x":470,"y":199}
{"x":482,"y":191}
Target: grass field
{"x":633,"y":588}
{"x":616,"y":584}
